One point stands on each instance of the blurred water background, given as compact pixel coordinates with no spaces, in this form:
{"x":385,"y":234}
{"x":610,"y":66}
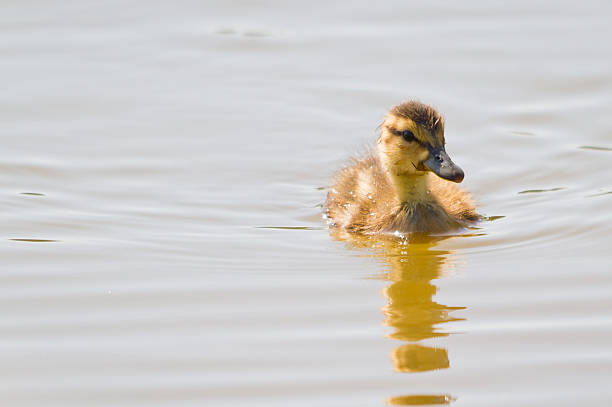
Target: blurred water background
{"x":161,"y":172}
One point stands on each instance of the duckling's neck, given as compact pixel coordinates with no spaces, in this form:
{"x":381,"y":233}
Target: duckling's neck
{"x":411,"y":187}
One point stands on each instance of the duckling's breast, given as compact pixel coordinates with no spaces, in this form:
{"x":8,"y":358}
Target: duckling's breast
{"x":420,"y":217}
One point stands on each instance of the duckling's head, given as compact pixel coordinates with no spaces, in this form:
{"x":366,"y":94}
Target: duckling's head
{"x":412,"y":142}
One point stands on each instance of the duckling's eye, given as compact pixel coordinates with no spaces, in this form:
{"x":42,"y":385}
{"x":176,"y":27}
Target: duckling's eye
{"x":408,"y":135}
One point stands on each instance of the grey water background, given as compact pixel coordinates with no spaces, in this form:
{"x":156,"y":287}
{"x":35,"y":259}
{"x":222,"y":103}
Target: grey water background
{"x":161,"y":169}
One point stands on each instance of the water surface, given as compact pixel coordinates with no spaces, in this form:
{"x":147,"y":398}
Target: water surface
{"x":162,"y":168}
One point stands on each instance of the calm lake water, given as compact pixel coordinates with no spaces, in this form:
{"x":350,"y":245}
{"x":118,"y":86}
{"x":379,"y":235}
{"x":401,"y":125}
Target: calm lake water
{"x":162,"y":170}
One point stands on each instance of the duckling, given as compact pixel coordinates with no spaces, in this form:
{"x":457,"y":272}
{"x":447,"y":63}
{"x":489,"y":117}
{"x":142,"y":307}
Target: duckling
{"x":406,"y":185}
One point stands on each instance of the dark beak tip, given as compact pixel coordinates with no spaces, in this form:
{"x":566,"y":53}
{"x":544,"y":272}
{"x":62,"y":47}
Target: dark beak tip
{"x":459,"y":176}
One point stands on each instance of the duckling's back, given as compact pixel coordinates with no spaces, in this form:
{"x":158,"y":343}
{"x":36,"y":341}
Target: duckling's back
{"x":361,"y":190}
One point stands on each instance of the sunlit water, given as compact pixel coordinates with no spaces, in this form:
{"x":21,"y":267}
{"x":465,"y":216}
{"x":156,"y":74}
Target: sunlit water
{"x":162,"y":168}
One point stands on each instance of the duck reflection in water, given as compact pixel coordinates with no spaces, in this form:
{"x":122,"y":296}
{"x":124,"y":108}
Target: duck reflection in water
{"x":411,"y":265}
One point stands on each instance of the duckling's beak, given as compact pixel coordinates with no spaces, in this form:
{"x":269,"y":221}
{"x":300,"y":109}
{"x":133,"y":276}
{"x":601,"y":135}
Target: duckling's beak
{"x":440,"y":163}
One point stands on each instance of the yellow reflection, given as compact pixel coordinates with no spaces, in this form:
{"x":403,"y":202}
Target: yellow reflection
{"x":420,"y":400}
{"x":417,"y":358}
{"x":411,"y":310}
{"x":411,"y":266}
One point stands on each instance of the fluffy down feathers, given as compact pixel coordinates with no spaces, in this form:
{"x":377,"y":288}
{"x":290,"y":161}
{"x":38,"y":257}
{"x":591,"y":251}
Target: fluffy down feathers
{"x":363,"y":200}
